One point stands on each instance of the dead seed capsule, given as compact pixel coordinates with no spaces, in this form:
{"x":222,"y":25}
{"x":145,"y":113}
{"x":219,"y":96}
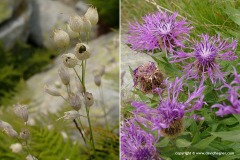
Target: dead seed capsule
{"x":52,"y":91}
{"x":97,"y":80}
{"x":89,"y":100}
{"x":71,"y":33}
{"x":92,"y":15}
{"x":21,"y":111}
{"x":64,"y":75}
{"x":75,"y":102}
{"x":24,"y":134}
{"x":82,"y":51}
{"x":86,"y":24}
{"x":69,"y":60}
{"x":76,"y":23}
{"x":61,"y":38}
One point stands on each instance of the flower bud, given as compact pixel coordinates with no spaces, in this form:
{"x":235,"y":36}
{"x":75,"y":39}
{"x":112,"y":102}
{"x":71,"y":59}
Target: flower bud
{"x":24,"y":134}
{"x":61,"y":38}
{"x":86,"y":24}
{"x":92,"y":15}
{"x":71,"y":33}
{"x":52,"y":91}
{"x":79,"y":85}
{"x":97,"y":80}
{"x":16,"y":148}
{"x":64,"y":75}
{"x":76,"y":23}
{"x":82,"y":51}
{"x":69,"y":60}
{"x":89,"y":100}
{"x":75,"y":102}
{"x":21,"y":111}
{"x":70,"y":115}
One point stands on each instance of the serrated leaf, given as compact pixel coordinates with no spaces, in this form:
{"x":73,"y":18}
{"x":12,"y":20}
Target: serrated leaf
{"x":182,"y":143}
{"x":233,"y":136}
{"x":204,"y":142}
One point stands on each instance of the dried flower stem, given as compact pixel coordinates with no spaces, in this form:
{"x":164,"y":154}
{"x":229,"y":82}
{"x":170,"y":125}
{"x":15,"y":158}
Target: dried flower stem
{"x":79,"y":129}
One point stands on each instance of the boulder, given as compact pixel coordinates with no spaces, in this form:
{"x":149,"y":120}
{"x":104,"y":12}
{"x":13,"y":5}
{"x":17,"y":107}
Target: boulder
{"x":14,"y":27}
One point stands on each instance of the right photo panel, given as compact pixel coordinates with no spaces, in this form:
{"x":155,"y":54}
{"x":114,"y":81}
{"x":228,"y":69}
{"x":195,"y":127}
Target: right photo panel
{"x":180,"y":80}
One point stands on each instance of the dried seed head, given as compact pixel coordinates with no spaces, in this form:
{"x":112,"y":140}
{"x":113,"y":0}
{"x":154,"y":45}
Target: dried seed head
{"x":86,"y":24}
{"x":71,"y":33}
{"x":24,"y":134}
{"x":174,"y":130}
{"x":16,"y":148}
{"x":102,"y":70}
{"x":97,"y":80}
{"x":76,"y":23}
{"x":61,"y":38}
{"x":52,"y":91}
{"x":89,"y":100}
{"x":82,"y":51}
{"x":92,"y":15}
{"x":75,"y":102}
{"x":70,"y":115}
{"x":4,"y":125}
{"x":10,"y":132}
{"x":64,"y":75}
{"x":69,"y":60}
{"x":21,"y":111}
{"x":31,"y":157}
{"x":79,"y":85}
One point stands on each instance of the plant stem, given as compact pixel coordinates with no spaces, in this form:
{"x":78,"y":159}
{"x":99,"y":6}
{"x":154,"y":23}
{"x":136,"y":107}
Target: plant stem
{"x":79,"y":129}
{"x":103,"y":107}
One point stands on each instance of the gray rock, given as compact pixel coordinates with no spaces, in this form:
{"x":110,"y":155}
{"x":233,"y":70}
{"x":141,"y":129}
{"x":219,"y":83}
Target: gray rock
{"x":47,"y":16}
{"x":7,"y":8}
{"x":16,"y":28}
{"x":103,"y":50}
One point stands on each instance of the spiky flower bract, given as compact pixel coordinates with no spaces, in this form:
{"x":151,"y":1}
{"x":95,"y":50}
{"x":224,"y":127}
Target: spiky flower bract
{"x":158,"y":31}
{"x":170,"y":110}
{"x":147,"y":77}
{"x":206,"y":55}
{"x":233,"y":97}
{"x":136,"y":144}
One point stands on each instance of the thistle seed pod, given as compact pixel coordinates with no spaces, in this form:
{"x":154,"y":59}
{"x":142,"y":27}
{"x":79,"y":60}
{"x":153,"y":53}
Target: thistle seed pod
{"x":52,"y":91}
{"x":75,"y":102}
{"x":64,"y":75}
{"x":21,"y":111}
{"x":69,"y":60}
{"x":24,"y":134}
{"x":92,"y":15}
{"x":16,"y":148}
{"x":82,"y":51}
{"x":89,"y":100}
{"x":61,"y":38}
{"x":71,"y":33}
{"x":76,"y":23}
{"x":86,"y":24}
{"x":97,"y":80}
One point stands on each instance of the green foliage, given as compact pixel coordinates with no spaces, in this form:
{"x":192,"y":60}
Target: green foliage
{"x":108,"y":12}
{"x":20,"y":63}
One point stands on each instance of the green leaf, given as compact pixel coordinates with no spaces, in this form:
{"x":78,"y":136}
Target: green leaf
{"x":182,"y":143}
{"x":204,"y":142}
{"x":229,"y":121}
{"x":233,"y":136}
{"x":163,"y":143}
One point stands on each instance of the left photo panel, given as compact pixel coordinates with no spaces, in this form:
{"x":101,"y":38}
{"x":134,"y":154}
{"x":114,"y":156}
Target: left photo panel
{"x":59,"y":79}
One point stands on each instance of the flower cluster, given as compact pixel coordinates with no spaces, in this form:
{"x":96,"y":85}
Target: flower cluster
{"x":158,"y":31}
{"x":136,"y":144}
{"x":167,"y":116}
{"x":147,"y":77}
{"x":233,"y":97}
{"x":206,"y":56}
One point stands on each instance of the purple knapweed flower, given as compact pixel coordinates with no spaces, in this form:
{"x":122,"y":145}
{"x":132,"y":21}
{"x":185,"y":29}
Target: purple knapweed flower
{"x":167,"y":116}
{"x":136,"y":144}
{"x":206,"y":56}
{"x":233,"y":97}
{"x":147,"y":77}
{"x":158,"y":31}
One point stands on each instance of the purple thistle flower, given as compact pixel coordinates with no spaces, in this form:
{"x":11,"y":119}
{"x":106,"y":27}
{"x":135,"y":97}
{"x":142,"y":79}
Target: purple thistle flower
{"x":168,"y":115}
{"x":205,"y":55}
{"x":147,"y":77}
{"x":136,"y":144}
{"x":233,"y":98}
{"x":158,"y":31}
